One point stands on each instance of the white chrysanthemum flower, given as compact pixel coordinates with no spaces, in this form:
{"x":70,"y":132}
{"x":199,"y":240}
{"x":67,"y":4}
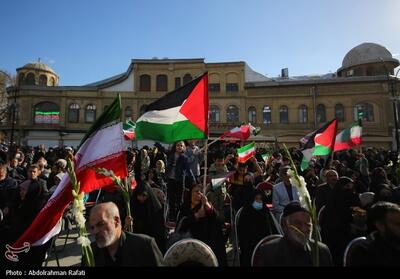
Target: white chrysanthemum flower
{"x":84,"y":241}
{"x":302,"y":190}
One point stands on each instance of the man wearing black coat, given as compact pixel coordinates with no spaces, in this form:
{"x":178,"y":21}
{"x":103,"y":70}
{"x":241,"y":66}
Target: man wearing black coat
{"x":294,"y":248}
{"x":114,"y":247}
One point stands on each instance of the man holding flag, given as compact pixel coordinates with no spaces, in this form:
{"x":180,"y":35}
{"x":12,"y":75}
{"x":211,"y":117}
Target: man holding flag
{"x":101,"y":147}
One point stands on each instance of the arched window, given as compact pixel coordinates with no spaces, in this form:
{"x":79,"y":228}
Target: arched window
{"x":144,"y":83}
{"x":303,"y":114}
{"x":267,"y":115}
{"x":47,"y":113}
{"x":232,"y":114}
{"x":214,"y":114}
{"x":321,"y":114}
{"x":177,"y":82}
{"x":21,"y":79}
{"x":187,"y":78}
{"x":162,"y":83}
{"x":284,"y":115}
{"x":128,"y":113}
{"x":142,"y":110}
{"x":90,"y":113}
{"x":252,"y":115}
{"x":52,"y":81}
{"x":30,"y":79}
{"x":364,"y":111}
{"x":42,"y":80}
{"x":73,"y":113}
{"x":339,"y":112}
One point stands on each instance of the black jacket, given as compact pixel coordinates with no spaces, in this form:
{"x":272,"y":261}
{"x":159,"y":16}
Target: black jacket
{"x":134,"y":250}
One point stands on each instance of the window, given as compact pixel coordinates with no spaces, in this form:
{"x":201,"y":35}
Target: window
{"x":303,"y":114}
{"x":365,"y":112}
{"x":30,"y":79}
{"x":187,"y":78}
{"x":339,"y":112}
{"x":142,"y":110}
{"x":46,"y":113}
{"x":42,"y":80}
{"x":52,"y":81}
{"x":252,"y":115}
{"x":321,"y":114}
{"x":267,"y":115}
{"x":284,"y":115}
{"x":232,"y":87}
{"x":214,"y":114}
{"x":232,"y":114}
{"x":177,"y":82}
{"x":145,"y":83}
{"x":128,"y":113}
{"x":90,"y":113}
{"x":162,"y":83}
{"x":73,"y":113}
{"x":214,"y":87}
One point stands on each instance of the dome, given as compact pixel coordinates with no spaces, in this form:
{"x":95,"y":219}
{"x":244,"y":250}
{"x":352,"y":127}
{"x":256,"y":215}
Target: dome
{"x":367,"y":53}
{"x":38,"y":66}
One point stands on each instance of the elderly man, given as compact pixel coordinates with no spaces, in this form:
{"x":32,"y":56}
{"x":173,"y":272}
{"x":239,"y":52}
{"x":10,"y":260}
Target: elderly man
{"x":323,"y":191}
{"x":114,"y":247}
{"x":294,"y":248}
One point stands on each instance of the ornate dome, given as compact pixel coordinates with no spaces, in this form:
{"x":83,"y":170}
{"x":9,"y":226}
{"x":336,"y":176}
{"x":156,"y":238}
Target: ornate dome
{"x":38,"y":66}
{"x":367,"y":53}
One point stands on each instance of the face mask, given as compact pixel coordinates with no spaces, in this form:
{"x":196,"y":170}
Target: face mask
{"x":257,"y":205}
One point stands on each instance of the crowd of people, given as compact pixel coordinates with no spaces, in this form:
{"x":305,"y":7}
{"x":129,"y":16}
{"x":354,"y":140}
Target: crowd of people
{"x":356,"y":195}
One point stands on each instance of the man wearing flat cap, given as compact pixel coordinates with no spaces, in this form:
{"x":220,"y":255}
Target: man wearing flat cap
{"x":294,"y":248}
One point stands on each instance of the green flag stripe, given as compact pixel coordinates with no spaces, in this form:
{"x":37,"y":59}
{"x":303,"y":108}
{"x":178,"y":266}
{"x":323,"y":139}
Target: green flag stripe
{"x":168,"y":133}
{"x":245,"y":148}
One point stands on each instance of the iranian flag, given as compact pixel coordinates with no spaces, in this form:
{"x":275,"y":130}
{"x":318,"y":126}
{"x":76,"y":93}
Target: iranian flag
{"x":179,"y":115}
{"x":349,"y":137}
{"x":246,"y":152}
{"x":129,"y":130}
{"x":318,"y":143}
{"x":101,"y":147}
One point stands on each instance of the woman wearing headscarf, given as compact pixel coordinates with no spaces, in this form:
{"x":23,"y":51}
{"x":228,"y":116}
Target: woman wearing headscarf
{"x":200,"y":219}
{"x":255,"y":223}
{"x":338,"y":217}
{"x":148,"y":215}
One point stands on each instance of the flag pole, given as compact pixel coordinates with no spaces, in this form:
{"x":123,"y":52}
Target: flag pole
{"x":205,"y":168}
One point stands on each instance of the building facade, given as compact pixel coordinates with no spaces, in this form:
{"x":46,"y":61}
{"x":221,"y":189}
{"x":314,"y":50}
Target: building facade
{"x":286,"y":108}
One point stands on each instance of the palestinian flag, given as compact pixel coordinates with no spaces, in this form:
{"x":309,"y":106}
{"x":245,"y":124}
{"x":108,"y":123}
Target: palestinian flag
{"x":265,"y":157}
{"x":218,"y":180}
{"x":349,"y":137}
{"x":129,"y":130}
{"x":179,"y":115}
{"x":318,"y":143}
{"x":246,"y":152}
{"x":101,"y":147}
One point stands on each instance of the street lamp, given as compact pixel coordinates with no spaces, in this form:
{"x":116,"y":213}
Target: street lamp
{"x":394,"y":101}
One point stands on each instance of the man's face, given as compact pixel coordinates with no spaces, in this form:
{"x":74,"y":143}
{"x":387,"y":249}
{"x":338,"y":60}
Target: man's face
{"x":14,"y":163}
{"x":219,"y":164}
{"x":33,"y":173}
{"x":180,"y":147}
{"x":103,"y":228}
{"x":331,"y":177}
{"x":298,"y":227}
{"x":392,"y":227}
{"x":242,"y":170}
